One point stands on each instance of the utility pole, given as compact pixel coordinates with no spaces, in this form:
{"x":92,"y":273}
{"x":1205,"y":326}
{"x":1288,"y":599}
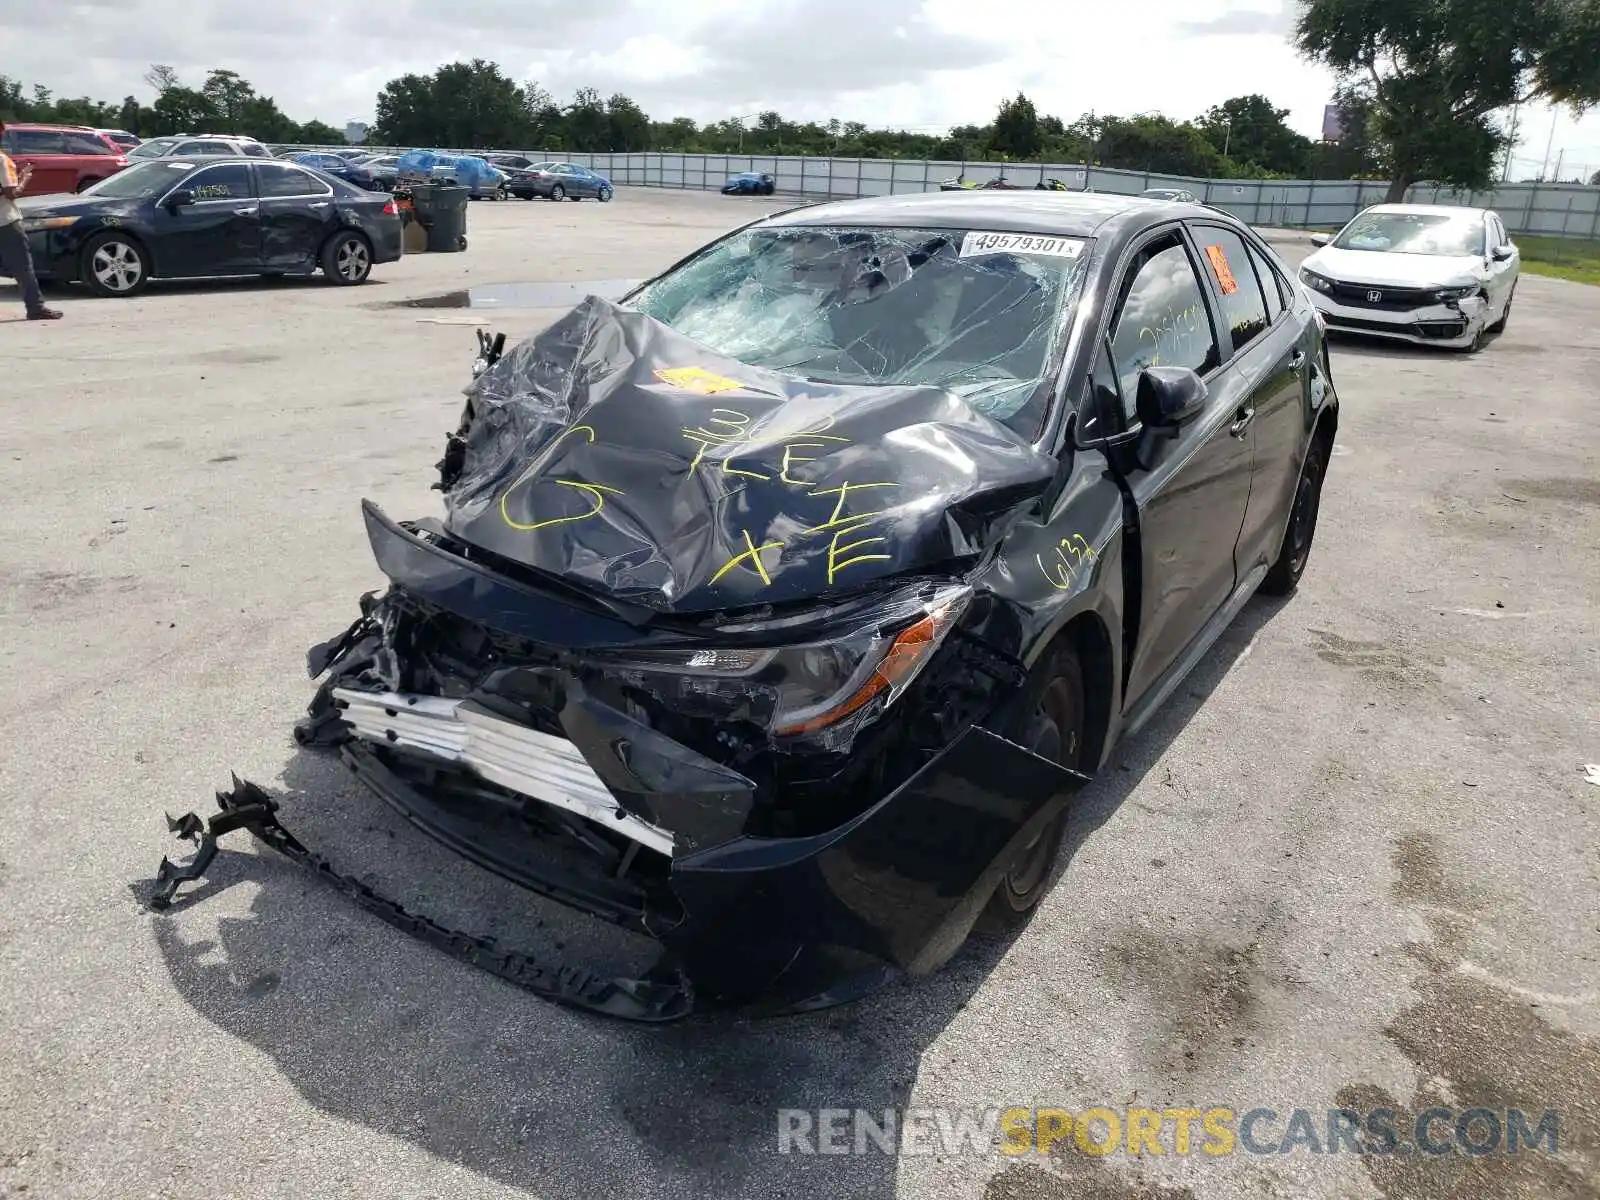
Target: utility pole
{"x":1511,"y":147}
{"x":1559,"y":159}
{"x":1555,"y":118}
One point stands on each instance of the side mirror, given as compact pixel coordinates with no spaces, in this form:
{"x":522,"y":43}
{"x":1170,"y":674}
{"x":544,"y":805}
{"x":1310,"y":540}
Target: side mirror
{"x":180,"y":198}
{"x":1321,"y":239}
{"x":1169,"y":397}
{"x":1504,"y":253}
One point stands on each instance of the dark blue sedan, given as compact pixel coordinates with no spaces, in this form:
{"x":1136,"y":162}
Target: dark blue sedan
{"x":180,"y":219}
{"x":339,"y":167}
{"x":750,"y":183}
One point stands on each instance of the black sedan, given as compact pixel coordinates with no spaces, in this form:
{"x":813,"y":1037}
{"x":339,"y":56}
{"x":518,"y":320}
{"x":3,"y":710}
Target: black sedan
{"x":779,"y":610}
{"x":212,"y":217}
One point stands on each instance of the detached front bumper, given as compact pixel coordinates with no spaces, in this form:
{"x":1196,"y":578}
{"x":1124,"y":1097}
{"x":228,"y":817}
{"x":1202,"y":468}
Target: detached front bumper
{"x":1450,"y":326}
{"x":600,"y":811}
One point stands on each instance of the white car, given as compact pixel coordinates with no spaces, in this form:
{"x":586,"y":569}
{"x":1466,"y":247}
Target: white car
{"x":1429,"y":274}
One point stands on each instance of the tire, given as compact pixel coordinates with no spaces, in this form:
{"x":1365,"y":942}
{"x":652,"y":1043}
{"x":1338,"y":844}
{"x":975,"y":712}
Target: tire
{"x":604,"y":195}
{"x":1500,"y":325}
{"x":1051,"y":720}
{"x":347,"y":259}
{"x":558,"y":193}
{"x":768,"y":190}
{"x":114,"y":264}
{"x":1295,"y":552}
{"x":500,"y":194}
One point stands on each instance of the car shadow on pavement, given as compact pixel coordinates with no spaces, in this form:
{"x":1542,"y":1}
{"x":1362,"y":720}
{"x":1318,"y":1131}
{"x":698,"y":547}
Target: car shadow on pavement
{"x":378,"y":1029}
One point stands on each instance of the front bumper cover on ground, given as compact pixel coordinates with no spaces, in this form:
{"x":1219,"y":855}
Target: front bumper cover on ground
{"x":776,"y":924}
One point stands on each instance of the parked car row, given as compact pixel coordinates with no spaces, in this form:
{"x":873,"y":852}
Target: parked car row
{"x":209,"y":217}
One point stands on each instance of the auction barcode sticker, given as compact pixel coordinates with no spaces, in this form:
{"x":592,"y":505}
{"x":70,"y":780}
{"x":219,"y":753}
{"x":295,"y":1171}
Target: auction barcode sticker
{"x":976,"y":243}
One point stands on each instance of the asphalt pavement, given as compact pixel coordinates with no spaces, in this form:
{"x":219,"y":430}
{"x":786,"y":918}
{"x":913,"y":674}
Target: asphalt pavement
{"x":1354,"y":863}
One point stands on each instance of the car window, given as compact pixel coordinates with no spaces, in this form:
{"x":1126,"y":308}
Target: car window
{"x":282,"y":179}
{"x":1452,"y":235}
{"x":255,"y":151}
{"x":227,"y":181}
{"x":1244,"y":309}
{"x":1103,"y":414}
{"x":1163,"y":321}
{"x":86,"y":143}
{"x":1271,"y":285}
{"x":35,"y":141}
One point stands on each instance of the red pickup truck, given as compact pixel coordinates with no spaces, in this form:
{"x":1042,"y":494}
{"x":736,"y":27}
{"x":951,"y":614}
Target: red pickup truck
{"x":64,"y":158}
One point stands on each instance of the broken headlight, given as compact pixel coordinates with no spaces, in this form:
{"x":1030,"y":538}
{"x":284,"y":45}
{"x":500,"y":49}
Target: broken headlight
{"x":1450,"y":295}
{"x":821,"y":688}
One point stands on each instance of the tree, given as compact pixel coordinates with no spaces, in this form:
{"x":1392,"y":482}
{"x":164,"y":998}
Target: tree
{"x":460,"y":106}
{"x":1016,"y":131}
{"x":1150,"y":143}
{"x":630,"y":128}
{"x":588,"y":127}
{"x":1251,"y":129}
{"x":229,"y":95}
{"x":1436,"y":72}
{"x":1594,"y":180}
{"x":161,"y":78}
{"x":184,"y":110}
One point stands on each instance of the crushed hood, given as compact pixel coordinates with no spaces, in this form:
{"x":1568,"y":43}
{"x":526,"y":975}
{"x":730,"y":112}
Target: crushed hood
{"x":628,"y":459}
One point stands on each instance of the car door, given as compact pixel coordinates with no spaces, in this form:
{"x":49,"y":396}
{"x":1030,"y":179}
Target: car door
{"x":1191,"y":491}
{"x":297,"y":215}
{"x":45,"y":151}
{"x":1266,"y":351}
{"x":1502,"y":273}
{"x":218,"y":234}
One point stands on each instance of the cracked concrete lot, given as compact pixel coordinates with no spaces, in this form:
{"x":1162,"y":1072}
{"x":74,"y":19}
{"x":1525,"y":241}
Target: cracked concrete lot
{"x":1355,"y":863}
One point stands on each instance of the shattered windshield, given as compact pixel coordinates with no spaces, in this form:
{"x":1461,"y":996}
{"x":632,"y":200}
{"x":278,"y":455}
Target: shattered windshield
{"x":976,"y":312}
{"x":1415,"y":233}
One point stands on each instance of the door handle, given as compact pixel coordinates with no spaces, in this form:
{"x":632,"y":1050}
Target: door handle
{"x":1297,"y":361}
{"x":245,"y":212}
{"x":318,"y":204}
{"x":1246,"y":415}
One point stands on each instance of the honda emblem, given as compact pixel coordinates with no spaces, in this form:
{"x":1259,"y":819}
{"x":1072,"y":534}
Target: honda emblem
{"x":1374,"y":297}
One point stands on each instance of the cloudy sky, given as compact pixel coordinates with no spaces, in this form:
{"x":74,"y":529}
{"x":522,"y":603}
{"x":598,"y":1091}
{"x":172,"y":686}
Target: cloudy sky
{"x":919,"y":64}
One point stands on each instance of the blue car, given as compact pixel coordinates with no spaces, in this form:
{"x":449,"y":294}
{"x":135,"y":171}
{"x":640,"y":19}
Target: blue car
{"x":480,"y":178}
{"x":566,"y":181}
{"x":750,"y":183}
{"x":339,"y":167}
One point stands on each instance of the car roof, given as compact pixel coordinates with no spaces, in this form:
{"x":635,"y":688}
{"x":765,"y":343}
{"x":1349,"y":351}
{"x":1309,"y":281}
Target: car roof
{"x":1063,"y":214}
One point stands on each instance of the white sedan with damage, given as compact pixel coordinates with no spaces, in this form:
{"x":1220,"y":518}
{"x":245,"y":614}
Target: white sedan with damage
{"x":1427,"y":274}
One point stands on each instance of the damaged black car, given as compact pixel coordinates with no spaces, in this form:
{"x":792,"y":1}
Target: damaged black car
{"x":778,"y":610}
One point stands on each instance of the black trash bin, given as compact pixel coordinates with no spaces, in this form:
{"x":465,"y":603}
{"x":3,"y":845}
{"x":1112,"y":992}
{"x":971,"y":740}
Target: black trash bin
{"x":446,"y":221}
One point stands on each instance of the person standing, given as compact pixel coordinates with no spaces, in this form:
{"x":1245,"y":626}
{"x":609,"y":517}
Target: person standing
{"x":14,"y":257}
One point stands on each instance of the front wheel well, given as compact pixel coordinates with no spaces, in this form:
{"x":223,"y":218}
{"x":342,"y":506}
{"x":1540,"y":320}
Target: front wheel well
{"x":1090,"y":642}
{"x":133,"y":239}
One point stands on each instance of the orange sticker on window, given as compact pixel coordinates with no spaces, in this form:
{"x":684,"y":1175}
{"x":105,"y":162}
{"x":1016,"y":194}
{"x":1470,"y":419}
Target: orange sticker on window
{"x":698,"y":380}
{"x":1223,"y":272}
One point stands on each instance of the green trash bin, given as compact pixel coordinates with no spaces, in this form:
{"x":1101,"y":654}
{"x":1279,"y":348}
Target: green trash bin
{"x":447,"y":220}
{"x":422,"y":202}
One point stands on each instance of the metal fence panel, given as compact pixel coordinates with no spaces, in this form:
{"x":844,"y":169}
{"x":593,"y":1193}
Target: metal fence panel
{"x":1529,"y":209}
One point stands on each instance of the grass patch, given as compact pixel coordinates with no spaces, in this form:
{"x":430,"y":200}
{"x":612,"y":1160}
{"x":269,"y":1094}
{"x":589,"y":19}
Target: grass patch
{"x":1577,"y":259}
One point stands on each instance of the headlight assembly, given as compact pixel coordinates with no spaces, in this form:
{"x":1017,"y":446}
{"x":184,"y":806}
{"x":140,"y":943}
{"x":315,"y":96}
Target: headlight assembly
{"x":1312,"y":280}
{"x":1449,"y":294}
{"x":34,"y":224}
{"x":811,"y":688}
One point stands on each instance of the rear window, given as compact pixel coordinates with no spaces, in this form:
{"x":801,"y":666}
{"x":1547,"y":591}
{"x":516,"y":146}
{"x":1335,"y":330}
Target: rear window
{"x":35,"y":141}
{"x":979,"y":313}
{"x":87,"y":143}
